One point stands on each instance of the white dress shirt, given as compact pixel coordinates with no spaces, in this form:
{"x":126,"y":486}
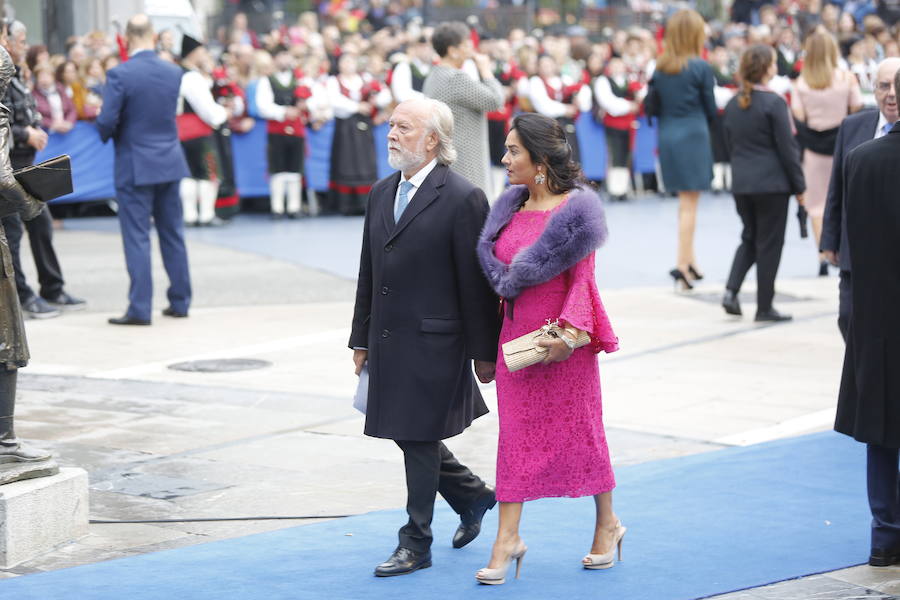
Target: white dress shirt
{"x":879,"y":129}
{"x":265,"y":97}
{"x":196,"y":90}
{"x":416,"y":181}
{"x":614,"y":105}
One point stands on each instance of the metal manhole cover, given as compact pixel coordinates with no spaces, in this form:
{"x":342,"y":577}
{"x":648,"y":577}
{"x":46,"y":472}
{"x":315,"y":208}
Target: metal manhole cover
{"x":221,"y":365}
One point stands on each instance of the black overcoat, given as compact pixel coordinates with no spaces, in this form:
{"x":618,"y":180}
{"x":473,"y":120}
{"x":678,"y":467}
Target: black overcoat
{"x":869,"y":400}
{"x":423,"y":309}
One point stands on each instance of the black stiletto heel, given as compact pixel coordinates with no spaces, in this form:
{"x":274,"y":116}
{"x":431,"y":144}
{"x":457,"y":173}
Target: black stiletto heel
{"x":697,"y":276}
{"x":680,"y":277}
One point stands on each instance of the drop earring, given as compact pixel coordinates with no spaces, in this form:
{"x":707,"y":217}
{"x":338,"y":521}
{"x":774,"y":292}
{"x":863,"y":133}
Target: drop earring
{"x":539,"y":178}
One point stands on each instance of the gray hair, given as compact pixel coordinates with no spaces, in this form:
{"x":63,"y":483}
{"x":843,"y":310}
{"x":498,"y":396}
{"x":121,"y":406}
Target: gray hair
{"x":440,"y":121}
{"x":15,"y":28}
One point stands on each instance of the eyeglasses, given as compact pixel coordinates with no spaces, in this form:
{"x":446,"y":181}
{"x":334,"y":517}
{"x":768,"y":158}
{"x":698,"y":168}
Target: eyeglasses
{"x":885,"y":86}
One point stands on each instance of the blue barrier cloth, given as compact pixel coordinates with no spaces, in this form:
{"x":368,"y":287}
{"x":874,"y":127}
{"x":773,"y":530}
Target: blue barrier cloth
{"x":592,"y":143}
{"x":318,"y":157}
{"x":380,"y":133}
{"x":251,"y":164}
{"x":698,"y":526}
{"x":92,"y":162}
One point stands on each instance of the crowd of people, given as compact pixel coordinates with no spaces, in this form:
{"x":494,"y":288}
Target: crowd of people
{"x":339,"y":70}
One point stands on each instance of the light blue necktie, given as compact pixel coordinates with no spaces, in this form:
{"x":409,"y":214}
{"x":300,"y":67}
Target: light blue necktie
{"x":887,"y":128}
{"x":405,"y":186}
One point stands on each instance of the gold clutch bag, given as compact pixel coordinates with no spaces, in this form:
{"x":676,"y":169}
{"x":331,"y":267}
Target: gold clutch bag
{"x":523,"y":351}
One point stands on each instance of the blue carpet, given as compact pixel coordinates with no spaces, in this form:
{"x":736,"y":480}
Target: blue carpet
{"x":698,"y":526}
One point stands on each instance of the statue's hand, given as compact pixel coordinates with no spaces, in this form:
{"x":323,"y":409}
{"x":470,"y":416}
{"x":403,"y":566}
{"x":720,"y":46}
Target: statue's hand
{"x":31,"y":207}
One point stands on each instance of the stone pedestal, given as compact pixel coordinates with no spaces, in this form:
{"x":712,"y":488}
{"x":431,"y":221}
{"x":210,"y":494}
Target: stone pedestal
{"x":37,"y":515}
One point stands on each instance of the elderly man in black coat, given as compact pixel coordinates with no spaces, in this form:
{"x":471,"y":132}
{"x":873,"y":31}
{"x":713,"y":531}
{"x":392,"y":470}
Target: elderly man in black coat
{"x":856,"y":129}
{"x":869,"y":401}
{"x":423,"y":313}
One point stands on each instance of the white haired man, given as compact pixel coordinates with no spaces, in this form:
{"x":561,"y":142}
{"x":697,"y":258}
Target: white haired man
{"x":856,"y":129}
{"x":423,"y":313}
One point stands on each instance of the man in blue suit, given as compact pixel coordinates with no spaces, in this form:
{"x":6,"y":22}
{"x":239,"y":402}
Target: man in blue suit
{"x":139,"y":104}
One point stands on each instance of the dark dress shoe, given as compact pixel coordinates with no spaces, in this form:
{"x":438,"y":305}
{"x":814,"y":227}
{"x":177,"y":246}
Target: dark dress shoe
{"x":171,"y":312}
{"x":771,"y":316}
{"x":470,"y":521}
{"x":731,"y":304}
{"x":883,"y":558}
{"x":403,"y":561}
{"x":126,"y":320}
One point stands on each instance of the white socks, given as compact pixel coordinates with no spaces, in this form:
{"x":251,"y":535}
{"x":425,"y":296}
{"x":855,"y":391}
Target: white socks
{"x":617,"y":181}
{"x":283,"y":185}
{"x":198,"y":200}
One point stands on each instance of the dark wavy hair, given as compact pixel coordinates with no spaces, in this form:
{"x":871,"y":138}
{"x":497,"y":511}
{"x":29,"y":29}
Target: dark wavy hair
{"x":546,"y":143}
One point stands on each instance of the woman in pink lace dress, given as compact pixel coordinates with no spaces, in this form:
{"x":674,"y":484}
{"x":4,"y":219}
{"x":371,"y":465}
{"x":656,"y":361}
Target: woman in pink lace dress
{"x":537,"y":250}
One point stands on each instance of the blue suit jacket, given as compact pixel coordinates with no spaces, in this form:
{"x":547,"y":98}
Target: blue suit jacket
{"x":139,"y":103}
{"x":855,"y":129}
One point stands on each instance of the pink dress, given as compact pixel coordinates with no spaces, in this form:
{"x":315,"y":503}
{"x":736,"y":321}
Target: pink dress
{"x":552,"y":441}
{"x":825,"y":109}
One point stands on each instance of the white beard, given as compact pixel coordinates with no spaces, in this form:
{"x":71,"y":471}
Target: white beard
{"x":404,"y":160}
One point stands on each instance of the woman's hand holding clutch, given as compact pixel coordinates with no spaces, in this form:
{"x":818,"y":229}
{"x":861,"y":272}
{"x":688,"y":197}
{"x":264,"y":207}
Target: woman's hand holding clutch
{"x":558,"y":349}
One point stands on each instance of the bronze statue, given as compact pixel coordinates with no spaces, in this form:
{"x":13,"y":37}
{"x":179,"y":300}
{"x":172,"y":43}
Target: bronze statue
{"x":17,"y":461}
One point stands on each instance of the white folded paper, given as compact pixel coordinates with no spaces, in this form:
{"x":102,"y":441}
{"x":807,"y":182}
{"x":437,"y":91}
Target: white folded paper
{"x":361,"y":397}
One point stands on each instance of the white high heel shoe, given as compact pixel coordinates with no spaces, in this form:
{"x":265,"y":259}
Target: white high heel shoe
{"x":607,"y":560}
{"x":498,"y":576}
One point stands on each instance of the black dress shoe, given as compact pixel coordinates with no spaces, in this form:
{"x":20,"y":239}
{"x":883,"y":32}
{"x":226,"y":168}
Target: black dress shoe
{"x":470,"y":521}
{"x":171,"y":312}
{"x":772,"y":316}
{"x":731,"y":304}
{"x":883,"y":558}
{"x":403,"y":561}
{"x":126,"y":320}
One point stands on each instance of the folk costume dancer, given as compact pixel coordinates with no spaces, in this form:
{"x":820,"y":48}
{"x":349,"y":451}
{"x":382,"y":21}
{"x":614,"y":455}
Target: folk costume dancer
{"x":277,"y":99}
{"x":616,"y":95}
{"x":355,"y":98}
{"x":199,"y":115}
{"x":726,"y":87}
{"x":228,"y":93}
{"x":408,"y":76}
{"x":554,"y":98}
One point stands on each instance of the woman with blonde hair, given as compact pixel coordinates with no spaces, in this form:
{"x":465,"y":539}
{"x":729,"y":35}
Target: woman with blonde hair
{"x":684,"y":83}
{"x":823,"y":95}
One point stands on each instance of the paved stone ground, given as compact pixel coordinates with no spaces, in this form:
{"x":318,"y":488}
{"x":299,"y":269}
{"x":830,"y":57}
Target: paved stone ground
{"x":169,"y":450}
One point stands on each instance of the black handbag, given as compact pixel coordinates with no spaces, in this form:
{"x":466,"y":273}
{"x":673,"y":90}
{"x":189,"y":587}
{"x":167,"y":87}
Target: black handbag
{"x":47,"y":180}
{"x":652,"y":102}
{"x":820,"y":142}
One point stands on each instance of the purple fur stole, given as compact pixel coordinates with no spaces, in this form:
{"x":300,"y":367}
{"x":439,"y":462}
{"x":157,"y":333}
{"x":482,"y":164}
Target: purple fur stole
{"x":574,"y":231}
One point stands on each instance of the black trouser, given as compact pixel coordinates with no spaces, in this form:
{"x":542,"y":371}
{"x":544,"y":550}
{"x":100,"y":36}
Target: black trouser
{"x":7,"y":404}
{"x":618,"y":144}
{"x":40,"y":237}
{"x":845,"y":303}
{"x":432,"y":468}
{"x":764,"y":217}
{"x":883,"y":482}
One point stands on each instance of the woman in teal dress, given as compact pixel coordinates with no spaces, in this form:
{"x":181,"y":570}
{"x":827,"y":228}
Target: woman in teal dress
{"x":685,"y":85}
